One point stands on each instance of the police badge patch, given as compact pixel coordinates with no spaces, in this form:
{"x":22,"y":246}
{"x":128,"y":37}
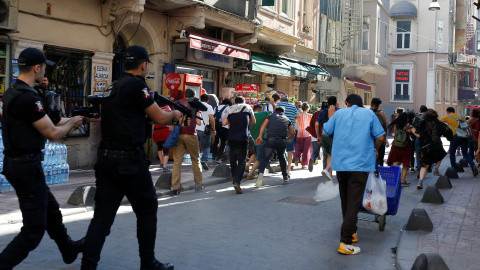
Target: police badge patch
{"x":39,"y":106}
{"x":146,"y":94}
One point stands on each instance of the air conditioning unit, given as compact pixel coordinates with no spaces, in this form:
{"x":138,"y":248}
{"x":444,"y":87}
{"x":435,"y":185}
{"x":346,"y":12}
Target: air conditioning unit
{"x":227,"y":35}
{"x":8,"y":15}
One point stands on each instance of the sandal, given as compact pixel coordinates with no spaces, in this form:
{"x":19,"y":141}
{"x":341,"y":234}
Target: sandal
{"x":419,"y":187}
{"x":406,"y":183}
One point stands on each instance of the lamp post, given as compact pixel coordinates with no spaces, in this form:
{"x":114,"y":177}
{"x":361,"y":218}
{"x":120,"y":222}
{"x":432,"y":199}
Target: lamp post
{"x":434,"y":6}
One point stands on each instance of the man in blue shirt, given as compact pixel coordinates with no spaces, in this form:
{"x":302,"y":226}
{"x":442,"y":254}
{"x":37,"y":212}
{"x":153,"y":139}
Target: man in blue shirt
{"x":358,"y":135}
{"x":291,"y":113}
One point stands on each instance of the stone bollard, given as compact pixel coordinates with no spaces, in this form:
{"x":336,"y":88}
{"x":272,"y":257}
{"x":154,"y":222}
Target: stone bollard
{"x":432,"y":195}
{"x":443,"y":182}
{"x":83,"y":196}
{"x":451,"y":173}
{"x":222,"y":170}
{"x":463,"y":162}
{"x":419,"y":221}
{"x":459,"y":167}
{"x":164,"y":181}
{"x":429,"y":261}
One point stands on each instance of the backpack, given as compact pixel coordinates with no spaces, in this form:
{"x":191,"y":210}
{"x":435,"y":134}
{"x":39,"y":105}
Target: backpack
{"x":218,"y":116}
{"x":463,"y":130}
{"x":401,"y":138}
{"x":382,"y":120}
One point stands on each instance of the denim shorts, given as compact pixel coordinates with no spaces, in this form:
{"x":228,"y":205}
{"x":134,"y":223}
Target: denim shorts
{"x":258,"y":150}
{"x":204,"y":140}
{"x":291,"y":145}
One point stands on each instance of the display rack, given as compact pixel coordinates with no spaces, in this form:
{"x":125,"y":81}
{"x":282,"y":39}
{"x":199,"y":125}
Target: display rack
{"x":248,"y":91}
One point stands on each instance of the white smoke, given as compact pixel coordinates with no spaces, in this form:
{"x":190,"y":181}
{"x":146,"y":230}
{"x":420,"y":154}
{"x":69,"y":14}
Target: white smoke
{"x":326,"y":191}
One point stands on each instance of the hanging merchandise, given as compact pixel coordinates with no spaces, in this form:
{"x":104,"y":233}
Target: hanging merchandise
{"x":247,"y":91}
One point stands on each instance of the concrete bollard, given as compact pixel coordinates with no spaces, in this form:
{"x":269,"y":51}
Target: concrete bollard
{"x":463,"y":162}
{"x":222,"y":170}
{"x":443,"y":182}
{"x":459,"y":167}
{"x":419,"y":221}
{"x":451,"y":173}
{"x":432,"y":195}
{"x":83,"y":196}
{"x":164,"y":181}
{"x":429,"y":261}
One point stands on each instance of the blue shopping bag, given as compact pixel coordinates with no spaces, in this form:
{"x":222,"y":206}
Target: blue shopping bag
{"x":172,"y":138}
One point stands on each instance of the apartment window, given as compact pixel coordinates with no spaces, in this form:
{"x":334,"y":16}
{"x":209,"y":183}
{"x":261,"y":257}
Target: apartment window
{"x":403,"y":34}
{"x":447,"y":87}
{"x":304,"y":14}
{"x":478,"y":41}
{"x":402,"y":85}
{"x":365,"y":32}
{"x":454,"y":88}
{"x":286,"y":7}
{"x":438,"y":87}
{"x":466,"y":79}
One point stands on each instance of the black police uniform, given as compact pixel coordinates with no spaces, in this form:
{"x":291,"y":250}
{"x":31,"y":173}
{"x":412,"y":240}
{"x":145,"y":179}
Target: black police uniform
{"x":122,"y":169}
{"x":23,"y":169}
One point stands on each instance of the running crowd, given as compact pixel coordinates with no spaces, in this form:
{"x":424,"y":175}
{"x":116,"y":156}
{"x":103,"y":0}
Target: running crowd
{"x":288,"y":132}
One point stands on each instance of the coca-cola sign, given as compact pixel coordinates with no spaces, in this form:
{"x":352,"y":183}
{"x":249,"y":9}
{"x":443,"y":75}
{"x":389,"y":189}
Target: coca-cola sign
{"x":173,"y":81}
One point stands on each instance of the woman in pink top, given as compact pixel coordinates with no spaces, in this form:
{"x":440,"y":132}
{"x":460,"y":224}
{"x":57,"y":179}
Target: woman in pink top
{"x":303,"y":146}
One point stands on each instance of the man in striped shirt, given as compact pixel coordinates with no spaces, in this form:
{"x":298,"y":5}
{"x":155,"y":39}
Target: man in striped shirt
{"x":291,"y":113}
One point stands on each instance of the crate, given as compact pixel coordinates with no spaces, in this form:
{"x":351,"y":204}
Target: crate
{"x":392,"y":175}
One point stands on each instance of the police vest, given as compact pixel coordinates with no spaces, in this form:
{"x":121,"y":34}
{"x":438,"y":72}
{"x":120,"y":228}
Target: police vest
{"x":19,"y":136}
{"x":123,"y":127}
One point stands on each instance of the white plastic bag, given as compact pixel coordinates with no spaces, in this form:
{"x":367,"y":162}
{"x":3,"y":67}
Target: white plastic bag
{"x":375,"y":196}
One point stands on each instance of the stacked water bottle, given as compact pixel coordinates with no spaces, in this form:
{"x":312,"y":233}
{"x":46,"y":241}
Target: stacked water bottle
{"x":4,"y":184}
{"x":187,"y":159}
{"x":55,"y":164}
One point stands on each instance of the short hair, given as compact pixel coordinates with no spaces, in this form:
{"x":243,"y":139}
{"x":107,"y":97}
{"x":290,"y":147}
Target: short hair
{"x":376,"y":101}
{"x":25,"y":69}
{"x":189,"y":92}
{"x":284,"y":99}
{"x":257,"y":107}
{"x":475,"y":112}
{"x":423,"y":108}
{"x":280,"y":109}
{"x":134,"y":63}
{"x":451,"y":109}
{"x":354,"y":99}
{"x":305,"y":106}
{"x":227,"y":101}
{"x":267,"y":99}
{"x":332,"y":100}
{"x":239,"y":100}
{"x":430,"y":115}
{"x":275,"y":97}
{"x":204,"y":98}
{"x":399,"y":110}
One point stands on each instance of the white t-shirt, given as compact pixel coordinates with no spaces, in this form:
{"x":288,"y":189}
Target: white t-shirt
{"x":270,"y":107}
{"x":206,"y":116}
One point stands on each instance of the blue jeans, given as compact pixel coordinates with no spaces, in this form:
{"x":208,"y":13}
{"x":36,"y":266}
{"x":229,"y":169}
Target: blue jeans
{"x":258,"y":151}
{"x":315,"y":150}
{"x":463,"y":143}
{"x":472,"y":147}
{"x":204,"y":140}
{"x":417,"y":151}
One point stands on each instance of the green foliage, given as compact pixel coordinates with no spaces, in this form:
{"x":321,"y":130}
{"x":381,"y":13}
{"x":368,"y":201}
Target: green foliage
{"x":314,"y":107}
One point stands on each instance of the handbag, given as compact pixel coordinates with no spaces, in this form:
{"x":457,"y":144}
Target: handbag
{"x":208,"y":128}
{"x":172,"y":138}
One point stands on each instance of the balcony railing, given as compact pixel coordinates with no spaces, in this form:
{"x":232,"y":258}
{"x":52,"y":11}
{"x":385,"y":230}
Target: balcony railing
{"x":465,"y":60}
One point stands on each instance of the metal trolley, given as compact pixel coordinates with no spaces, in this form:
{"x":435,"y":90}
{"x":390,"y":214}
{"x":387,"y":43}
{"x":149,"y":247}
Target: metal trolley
{"x":391,"y":175}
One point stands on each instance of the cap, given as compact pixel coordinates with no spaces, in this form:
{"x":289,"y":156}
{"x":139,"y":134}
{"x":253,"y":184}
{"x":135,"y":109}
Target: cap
{"x":136,"y":53}
{"x":32,"y":57}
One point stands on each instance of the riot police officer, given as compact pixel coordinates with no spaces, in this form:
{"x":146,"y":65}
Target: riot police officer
{"x":122,"y":169}
{"x":25,"y":127}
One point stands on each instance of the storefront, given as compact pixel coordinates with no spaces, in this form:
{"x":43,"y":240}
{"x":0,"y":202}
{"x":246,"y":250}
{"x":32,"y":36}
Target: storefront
{"x":359,"y":87}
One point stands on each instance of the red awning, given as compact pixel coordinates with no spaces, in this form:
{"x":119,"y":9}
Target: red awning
{"x":359,"y":83}
{"x":217,"y":46}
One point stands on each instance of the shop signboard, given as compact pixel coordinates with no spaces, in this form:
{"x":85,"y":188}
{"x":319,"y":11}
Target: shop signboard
{"x":208,"y":58}
{"x":101,"y":77}
{"x":15,"y":70}
{"x":466,"y":94}
{"x":218,"y":47}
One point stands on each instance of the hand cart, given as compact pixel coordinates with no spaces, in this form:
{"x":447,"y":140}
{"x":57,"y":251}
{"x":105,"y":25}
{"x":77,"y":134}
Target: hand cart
{"x":391,"y":175}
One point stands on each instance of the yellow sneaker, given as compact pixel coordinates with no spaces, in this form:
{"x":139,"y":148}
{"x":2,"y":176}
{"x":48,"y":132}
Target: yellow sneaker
{"x":316,"y":161}
{"x":247,"y":169}
{"x":296,"y":162}
{"x":348,"y":249}
{"x":355,"y":238}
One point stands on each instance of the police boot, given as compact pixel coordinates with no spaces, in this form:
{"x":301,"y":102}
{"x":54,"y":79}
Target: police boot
{"x":70,"y":249}
{"x":156,"y":265}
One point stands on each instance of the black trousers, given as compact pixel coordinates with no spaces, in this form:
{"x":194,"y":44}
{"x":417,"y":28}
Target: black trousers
{"x":381,"y":155}
{"x":272,"y":144}
{"x":238,"y":154}
{"x":221,"y":136}
{"x":40,"y":210}
{"x":117,"y":178}
{"x":351,"y":186}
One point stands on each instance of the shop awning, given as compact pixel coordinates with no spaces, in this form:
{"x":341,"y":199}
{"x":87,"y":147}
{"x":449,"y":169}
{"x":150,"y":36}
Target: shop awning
{"x":403,"y":9}
{"x":304,"y":70}
{"x":213,"y":45}
{"x":359,"y":83}
{"x":269,"y":64}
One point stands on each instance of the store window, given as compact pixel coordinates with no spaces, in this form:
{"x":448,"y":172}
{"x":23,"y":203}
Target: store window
{"x":5,"y":64}
{"x":438,"y":86}
{"x":367,"y":98}
{"x":447,"y":87}
{"x":403,"y":35}
{"x":208,"y":76}
{"x":70,"y":77}
{"x":365,"y":32}
{"x":402,"y":85}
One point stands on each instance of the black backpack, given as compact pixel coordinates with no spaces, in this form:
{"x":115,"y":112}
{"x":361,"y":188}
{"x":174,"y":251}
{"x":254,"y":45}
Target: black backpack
{"x":218,"y":116}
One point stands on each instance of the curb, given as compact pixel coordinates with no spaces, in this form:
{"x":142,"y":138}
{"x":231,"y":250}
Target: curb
{"x":80,"y":210}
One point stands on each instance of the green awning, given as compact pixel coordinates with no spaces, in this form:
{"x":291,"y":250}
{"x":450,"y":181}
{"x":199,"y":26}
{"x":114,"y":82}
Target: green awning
{"x":269,"y":64}
{"x":304,"y":70}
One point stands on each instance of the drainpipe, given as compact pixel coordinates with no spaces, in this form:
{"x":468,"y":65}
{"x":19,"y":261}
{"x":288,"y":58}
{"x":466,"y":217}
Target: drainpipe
{"x":252,"y":38}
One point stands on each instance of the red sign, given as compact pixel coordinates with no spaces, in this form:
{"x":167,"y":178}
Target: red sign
{"x":193,"y":79}
{"x":218,"y":47}
{"x":173,"y":81}
{"x":402,"y":75}
{"x":246,"y":87}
